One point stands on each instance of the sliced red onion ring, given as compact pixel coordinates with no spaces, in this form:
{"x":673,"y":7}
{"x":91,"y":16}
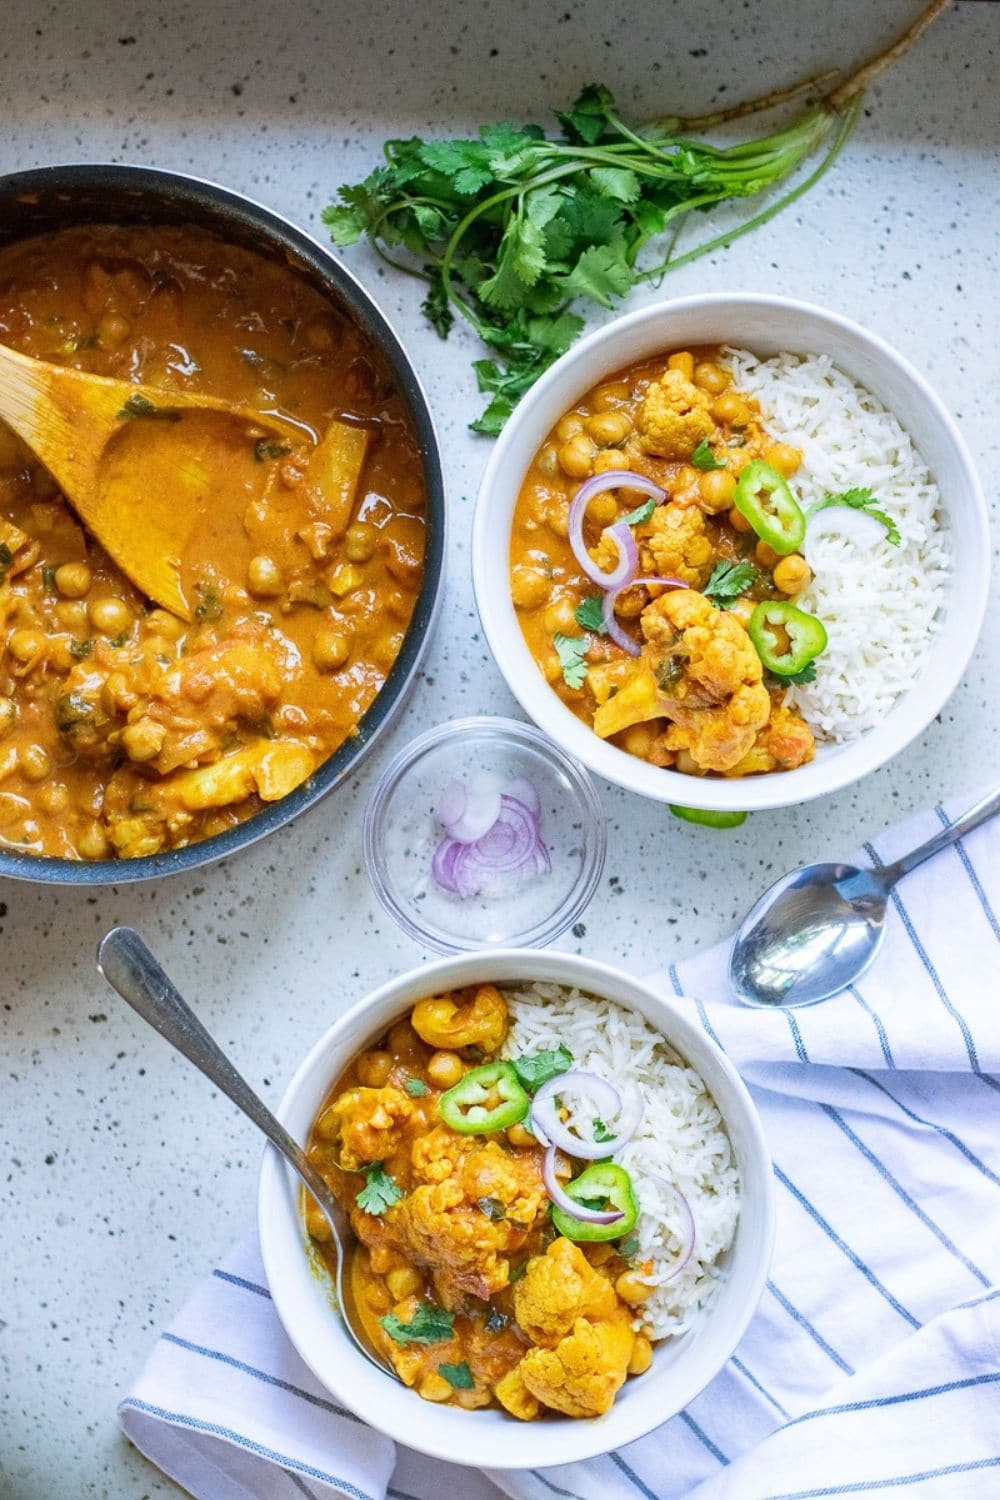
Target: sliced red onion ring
{"x":569,"y":1205}
{"x":511,"y":845}
{"x":628,"y":552}
{"x":687,"y":1234}
{"x":525,"y":791}
{"x":452,"y":805}
{"x":609,"y":619}
{"x":443,"y":864}
{"x":602,"y":1098}
{"x":476,"y":817}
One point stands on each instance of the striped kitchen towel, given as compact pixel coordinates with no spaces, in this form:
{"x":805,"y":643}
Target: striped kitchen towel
{"x":873,"y":1363}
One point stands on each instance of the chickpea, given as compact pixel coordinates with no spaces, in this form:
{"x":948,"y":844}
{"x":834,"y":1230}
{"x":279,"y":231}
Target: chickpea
{"x":560,"y":616}
{"x":319,"y":333}
{"x":73,"y":580}
{"x":72,"y":614}
{"x":406,"y":1282}
{"x":445,"y":1069}
{"x":373,"y":1068}
{"x":710,"y":377}
{"x":642,"y":1355}
{"x":683,"y":361}
{"x":610,"y":458}
{"x":264,"y":577}
{"x":528,"y":587}
{"x":343,"y":580}
{"x":53,"y":797}
{"x":792,"y":574}
{"x":551,"y":667}
{"x":603,"y":509}
{"x":716,"y":489}
{"x":518,"y":1136}
{"x":576,"y":458}
{"x":547,"y":461}
{"x":118,"y":696}
{"x":25,"y":645}
{"x":556,"y":515}
{"x":472,"y":1400}
{"x":738,"y":521}
{"x":783,"y":457}
{"x":113,"y":329}
{"x":317,"y":1226}
{"x":34,"y":762}
{"x":8,"y":715}
{"x":569,"y":426}
{"x":616,"y":393}
{"x":731,"y":408}
{"x":377,"y":1297}
{"x":92,"y":843}
{"x":330,"y":650}
{"x":143,"y":740}
{"x":765,"y":555}
{"x":162,"y":623}
{"x":434,"y":1387}
{"x":609,"y":427}
{"x":403,"y":1038}
{"x":632,"y":1289}
{"x":109,"y":615}
{"x":638,"y":738}
{"x":360,"y":541}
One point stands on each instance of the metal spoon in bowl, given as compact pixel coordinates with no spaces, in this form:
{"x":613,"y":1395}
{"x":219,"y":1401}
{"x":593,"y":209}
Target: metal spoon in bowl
{"x":817,"y":930}
{"x":130,"y":968}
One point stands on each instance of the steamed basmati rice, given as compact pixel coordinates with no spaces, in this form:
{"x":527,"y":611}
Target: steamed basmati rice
{"x":881,"y":604}
{"x":681,"y":1138}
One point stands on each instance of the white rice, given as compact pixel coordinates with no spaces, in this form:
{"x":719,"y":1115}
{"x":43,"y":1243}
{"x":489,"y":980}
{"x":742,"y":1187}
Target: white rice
{"x":681,"y":1138}
{"x":881,"y":604}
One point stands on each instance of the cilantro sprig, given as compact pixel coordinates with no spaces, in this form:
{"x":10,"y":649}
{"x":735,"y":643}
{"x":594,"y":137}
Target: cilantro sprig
{"x":380,"y":1190}
{"x":429,"y":1325}
{"x":572,"y":653}
{"x":703,"y":458}
{"x":590,"y":614}
{"x":728,"y":581}
{"x":860,"y":499}
{"x":535,"y":1069}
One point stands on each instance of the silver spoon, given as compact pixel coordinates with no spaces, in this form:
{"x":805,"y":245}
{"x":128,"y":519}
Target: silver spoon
{"x":131,"y":969}
{"x":817,"y":930}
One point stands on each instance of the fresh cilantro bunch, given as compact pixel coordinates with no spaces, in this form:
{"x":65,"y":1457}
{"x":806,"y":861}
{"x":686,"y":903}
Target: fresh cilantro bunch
{"x":512,"y":229}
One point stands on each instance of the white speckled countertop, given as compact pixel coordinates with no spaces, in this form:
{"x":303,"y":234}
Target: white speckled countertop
{"x":122,"y":1180}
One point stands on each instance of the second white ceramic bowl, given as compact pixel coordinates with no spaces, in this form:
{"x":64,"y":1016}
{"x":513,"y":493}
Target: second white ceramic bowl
{"x":490,"y":1438}
{"x":767,"y":325}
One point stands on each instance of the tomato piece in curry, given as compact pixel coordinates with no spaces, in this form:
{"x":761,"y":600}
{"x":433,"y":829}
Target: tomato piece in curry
{"x":125,"y":730}
{"x":458,"y":1275}
{"x":695,"y":697}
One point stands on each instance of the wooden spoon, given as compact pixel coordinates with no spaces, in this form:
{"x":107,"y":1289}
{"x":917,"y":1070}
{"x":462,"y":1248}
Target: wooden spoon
{"x":137,"y":463}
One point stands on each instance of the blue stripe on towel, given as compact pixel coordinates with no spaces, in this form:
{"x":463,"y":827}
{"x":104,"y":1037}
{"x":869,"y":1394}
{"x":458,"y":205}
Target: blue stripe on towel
{"x":703,"y":1437}
{"x":843,"y":1246}
{"x":896,"y":1482}
{"x":805,"y":1324}
{"x":212,"y":1429}
{"x":303,"y":1488}
{"x":970,"y":870}
{"x":248,"y":1286}
{"x":699,"y":1006}
{"x":800,"y":1046}
{"x":941,"y":1130}
{"x":901,"y":1399}
{"x":555,"y":1488}
{"x":739,"y":1365}
{"x":633,"y":1477}
{"x":238,"y":1364}
{"x":880,"y":1030}
{"x":902,"y":1194}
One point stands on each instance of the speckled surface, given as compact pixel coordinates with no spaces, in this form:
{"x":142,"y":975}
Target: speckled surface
{"x":122,"y":1179}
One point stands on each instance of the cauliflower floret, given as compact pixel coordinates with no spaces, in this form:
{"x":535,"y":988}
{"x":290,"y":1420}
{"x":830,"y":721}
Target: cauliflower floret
{"x":558,"y":1288}
{"x":675,"y":417}
{"x":789,"y":739}
{"x":481,"y":1021}
{"x":364,"y":1125}
{"x":583,"y":1373}
{"x":512,"y":1393}
{"x":675,"y":544}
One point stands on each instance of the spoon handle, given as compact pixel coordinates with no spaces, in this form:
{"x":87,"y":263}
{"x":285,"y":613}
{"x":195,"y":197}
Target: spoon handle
{"x":981,"y":812}
{"x":130,"y":968}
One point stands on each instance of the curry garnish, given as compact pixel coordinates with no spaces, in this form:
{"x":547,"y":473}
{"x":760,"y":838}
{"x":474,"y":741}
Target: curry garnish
{"x":459,"y":1376}
{"x":703,"y":458}
{"x":572,"y":652}
{"x":536,"y":1070}
{"x":429,"y":1325}
{"x":264,"y":449}
{"x":728,"y":580}
{"x":81,"y":649}
{"x":138,"y":405}
{"x":640,"y":515}
{"x":590,"y":614}
{"x":415,"y":1087}
{"x":492,"y":1208}
{"x":380,"y":1190}
{"x":864,"y":500}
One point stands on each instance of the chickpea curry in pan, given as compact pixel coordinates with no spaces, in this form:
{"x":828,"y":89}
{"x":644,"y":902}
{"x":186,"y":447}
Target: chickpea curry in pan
{"x":663,"y":487}
{"x":125,"y":730}
{"x":466,"y":1274}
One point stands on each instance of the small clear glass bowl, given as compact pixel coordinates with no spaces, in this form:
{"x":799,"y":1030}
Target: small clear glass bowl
{"x":401,"y":834}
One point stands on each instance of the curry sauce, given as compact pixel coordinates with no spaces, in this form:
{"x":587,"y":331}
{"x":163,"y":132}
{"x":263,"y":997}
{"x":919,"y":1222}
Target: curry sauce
{"x":124,"y":729}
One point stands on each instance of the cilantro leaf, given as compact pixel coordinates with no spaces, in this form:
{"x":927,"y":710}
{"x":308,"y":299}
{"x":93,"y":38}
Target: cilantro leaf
{"x":601,"y":1131}
{"x":616,"y":182}
{"x":640,"y":514}
{"x":380,"y":1190}
{"x":602,"y":273}
{"x":590,"y":614}
{"x":415,"y":1087}
{"x":492,"y":1208}
{"x":728,"y":581}
{"x":535,"y":1070}
{"x":460,"y":1376}
{"x":629,"y":1246}
{"x":808,"y":674}
{"x":429,"y":1325}
{"x":864,"y":500}
{"x":572,"y":651}
{"x":588,"y":116}
{"x":80,"y":650}
{"x":703,"y":458}
{"x":265,"y":448}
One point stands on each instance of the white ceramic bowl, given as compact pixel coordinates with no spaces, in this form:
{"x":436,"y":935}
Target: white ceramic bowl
{"x":490,"y":1438}
{"x":767,"y":325}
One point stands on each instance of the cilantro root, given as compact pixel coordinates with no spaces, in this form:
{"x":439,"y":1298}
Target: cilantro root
{"x":512,"y":229}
